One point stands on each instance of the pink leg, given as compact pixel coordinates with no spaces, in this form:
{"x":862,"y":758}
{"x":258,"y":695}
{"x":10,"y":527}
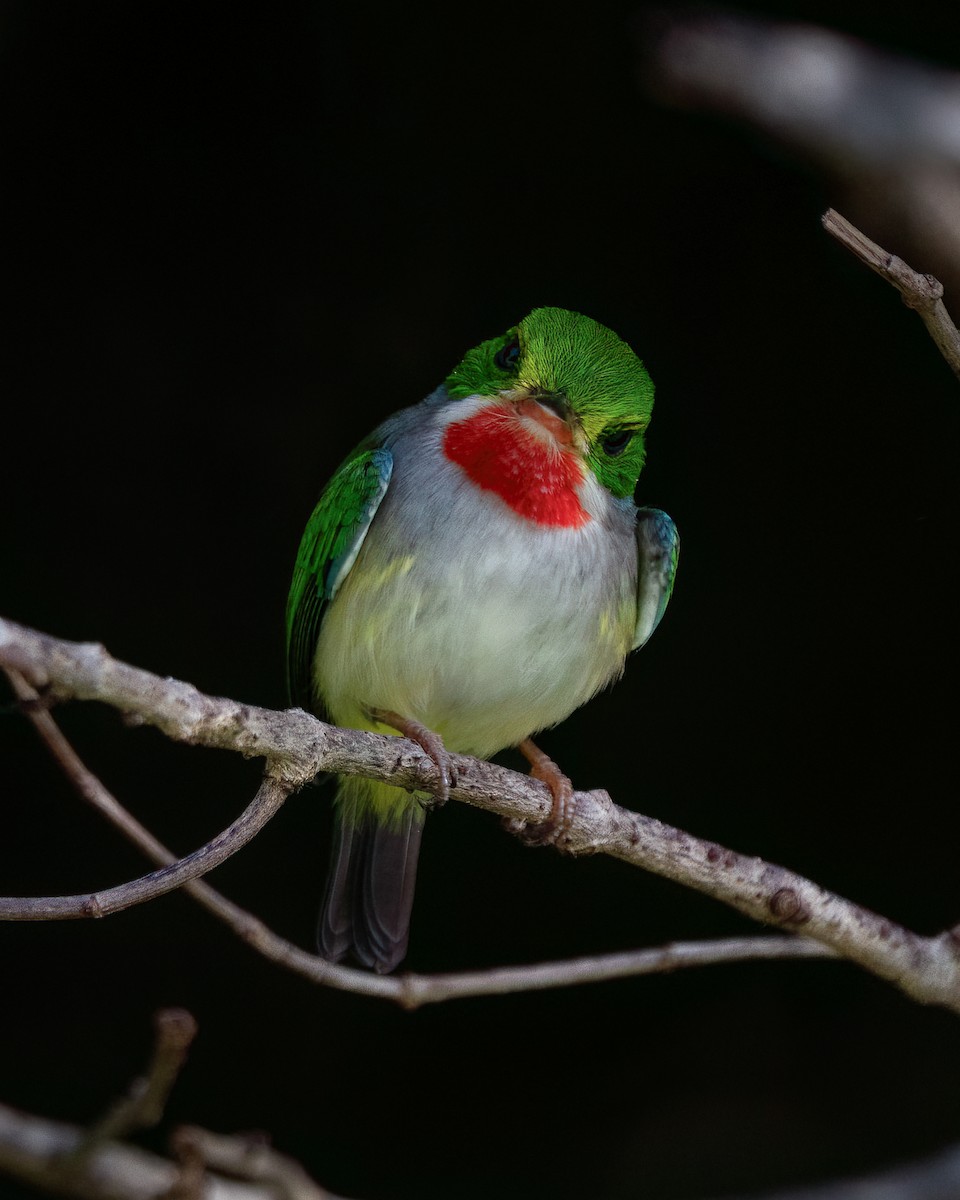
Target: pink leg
{"x":543,"y":767}
{"x":431,"y":743}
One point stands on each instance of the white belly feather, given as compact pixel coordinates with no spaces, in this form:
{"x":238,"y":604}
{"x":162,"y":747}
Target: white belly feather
{"x":471,"y":619}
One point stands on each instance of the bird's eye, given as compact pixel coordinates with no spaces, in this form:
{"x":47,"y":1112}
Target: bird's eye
{"x":506,"y":357}
{"x":616,"y":441}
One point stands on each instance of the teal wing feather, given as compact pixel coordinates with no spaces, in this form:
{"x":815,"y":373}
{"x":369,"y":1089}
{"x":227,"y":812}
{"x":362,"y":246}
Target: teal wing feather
{"x":328,"y":548}
{"x":658,"y":549}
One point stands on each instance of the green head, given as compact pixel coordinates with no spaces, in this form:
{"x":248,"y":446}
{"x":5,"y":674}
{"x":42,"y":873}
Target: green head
{"x":584,"y":369}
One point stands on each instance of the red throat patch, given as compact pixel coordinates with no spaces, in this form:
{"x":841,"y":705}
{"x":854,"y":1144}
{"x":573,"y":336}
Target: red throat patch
{"x":500,"y":454}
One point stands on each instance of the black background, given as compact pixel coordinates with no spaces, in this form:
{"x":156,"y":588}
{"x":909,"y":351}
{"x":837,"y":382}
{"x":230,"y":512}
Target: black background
{"x":233,"y":239}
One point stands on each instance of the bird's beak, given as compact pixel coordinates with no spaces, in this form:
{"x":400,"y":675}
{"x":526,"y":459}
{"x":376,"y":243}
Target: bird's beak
{"x":549,"y":410}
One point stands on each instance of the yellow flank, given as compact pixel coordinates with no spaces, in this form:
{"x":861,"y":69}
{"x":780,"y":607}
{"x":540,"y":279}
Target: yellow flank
{"x":616,"y":628}
{"x":372,"y":580}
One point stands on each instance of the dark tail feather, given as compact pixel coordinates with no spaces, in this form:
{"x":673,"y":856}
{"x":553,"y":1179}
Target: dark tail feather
{"x":369,"y":894}
{"x":335,"y":927}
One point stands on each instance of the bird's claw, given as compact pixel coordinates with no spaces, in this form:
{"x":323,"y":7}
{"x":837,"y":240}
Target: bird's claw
{"x":553,"y":830}
{"x":431,"y":744}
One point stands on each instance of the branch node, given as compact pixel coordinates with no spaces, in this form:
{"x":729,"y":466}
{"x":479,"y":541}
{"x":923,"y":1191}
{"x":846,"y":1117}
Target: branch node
{"x":787,"y":907}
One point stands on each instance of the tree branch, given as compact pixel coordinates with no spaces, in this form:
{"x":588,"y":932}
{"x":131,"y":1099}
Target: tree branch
{"x":249,"y":1158}
{"x":881,"y":127}
{"x":146,"y":1099}
{"x":94,"y":1165}
{"x":34,"y":1149}
{"x":922,"y":293}
{"x":409,"y":990}
{"x":842,"y":101}
{"x":258,"y":812}
{"x":91,"y":1164}
{"x":296,"y":745}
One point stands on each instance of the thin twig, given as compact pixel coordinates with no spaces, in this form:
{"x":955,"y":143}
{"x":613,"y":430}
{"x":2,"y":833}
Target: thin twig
{"x":411,"y":991}
{"x":250,"y":1158}
{"x":34,"y":1149}
{"x":294,"y":744}
{"x":415,"y":990}
{"x":267,"y":802}
{"x":145,"y":1102}
{"x":92,"y":1163}
{"x":922,"y":293}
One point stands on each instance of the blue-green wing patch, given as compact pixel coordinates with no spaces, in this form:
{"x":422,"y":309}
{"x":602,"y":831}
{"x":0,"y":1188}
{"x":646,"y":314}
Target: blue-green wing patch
{"x":658,"y":548}
{"x":328,"y":548}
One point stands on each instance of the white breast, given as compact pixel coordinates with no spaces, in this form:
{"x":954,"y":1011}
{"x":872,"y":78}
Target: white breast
{"x":466,"y":617}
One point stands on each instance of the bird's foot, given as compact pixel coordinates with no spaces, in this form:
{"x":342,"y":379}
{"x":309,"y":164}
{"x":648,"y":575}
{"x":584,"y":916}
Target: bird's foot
{"x":429,"y":742}
{"x":554,"y":828}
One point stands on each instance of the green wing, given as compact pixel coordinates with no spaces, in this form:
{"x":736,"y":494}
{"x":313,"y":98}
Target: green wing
{"x":658,"y":548}
{"x":328,"y":548}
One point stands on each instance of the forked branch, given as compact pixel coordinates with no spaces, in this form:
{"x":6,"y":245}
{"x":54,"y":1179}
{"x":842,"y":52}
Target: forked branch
{"x":97,"y":1164}
{"x":295,"y":746}
{"x":922,"y":293}
{"x":409,"y":990}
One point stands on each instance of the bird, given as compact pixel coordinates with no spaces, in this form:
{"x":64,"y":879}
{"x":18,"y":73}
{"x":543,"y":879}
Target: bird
{"x":474,"y":571}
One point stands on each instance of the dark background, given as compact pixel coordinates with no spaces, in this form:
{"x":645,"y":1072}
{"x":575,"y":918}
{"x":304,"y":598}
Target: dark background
{"x":232,"y":240}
